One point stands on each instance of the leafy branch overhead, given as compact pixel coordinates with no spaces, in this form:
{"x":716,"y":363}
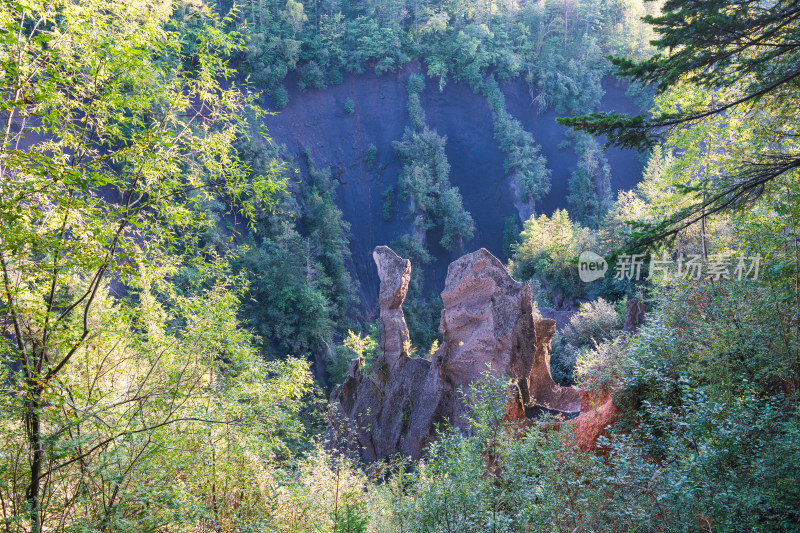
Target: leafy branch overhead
{"x":746,"y":57}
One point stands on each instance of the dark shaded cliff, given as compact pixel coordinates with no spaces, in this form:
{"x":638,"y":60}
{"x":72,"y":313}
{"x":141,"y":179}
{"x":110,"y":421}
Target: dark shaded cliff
{"x":317,"y":120}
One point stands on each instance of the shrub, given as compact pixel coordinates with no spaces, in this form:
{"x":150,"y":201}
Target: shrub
{"x":311,"y":75}
{"x":595,"y":323}
{"x":280,"y":96}
{"x":349,"y":106}
{"x":499,"y":477}
{"x":354,"y":346}
{"x":598,"y":368}
{"x":416,"y":84}
{"x":327,"y":494}
{"x":388,"y":203}
{"x":370,"y":155}
{"x":511,"y":231}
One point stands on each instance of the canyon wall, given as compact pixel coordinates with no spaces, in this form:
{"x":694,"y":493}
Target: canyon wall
{"x":316,"y":119}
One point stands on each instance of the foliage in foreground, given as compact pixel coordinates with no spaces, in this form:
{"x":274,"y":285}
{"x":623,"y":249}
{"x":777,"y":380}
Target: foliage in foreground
{"x":129,"y":401}
{"x":132,"y":400}
{"x":687,"y":457}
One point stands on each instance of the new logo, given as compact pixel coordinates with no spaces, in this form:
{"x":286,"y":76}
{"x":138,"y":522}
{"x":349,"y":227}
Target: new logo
{"x":591,"y":266}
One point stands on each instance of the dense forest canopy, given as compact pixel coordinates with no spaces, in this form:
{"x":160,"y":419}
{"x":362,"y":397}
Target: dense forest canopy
{"x":556,"y":46}
{"x":161,"y":258}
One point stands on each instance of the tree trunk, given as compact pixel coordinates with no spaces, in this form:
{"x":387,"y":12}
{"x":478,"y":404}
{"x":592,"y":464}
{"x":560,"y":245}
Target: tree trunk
{"x":34,"y":428}
{"x":703,"y":231}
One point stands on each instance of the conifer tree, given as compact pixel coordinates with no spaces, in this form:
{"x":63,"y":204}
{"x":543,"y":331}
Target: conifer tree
{"x":747,"y":56}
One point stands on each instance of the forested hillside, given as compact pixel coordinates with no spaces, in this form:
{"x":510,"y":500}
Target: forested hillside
{"x":349,"y":69}
{"x":191,"y":340}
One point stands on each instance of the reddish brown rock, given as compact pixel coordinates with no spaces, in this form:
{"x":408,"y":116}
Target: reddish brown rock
{"x":598,"y":412}
{"x":486,"y":324}
{"x":544,"y":392}
{"x":394,"y":273}
{"x":486,"y":320}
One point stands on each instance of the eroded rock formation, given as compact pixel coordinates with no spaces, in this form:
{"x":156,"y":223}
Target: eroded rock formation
{"x":635,"y":315}
{"x":394,"y":273}
{"x":598,"y":412}
{"x":486,"y":323}
{"x":545,"y":393}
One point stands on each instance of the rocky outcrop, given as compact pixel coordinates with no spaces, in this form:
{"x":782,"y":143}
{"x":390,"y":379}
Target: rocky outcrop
{"x":598,"y":412}
{"x":545,"y":393}
{"x":392,"y":402}
{"x":635,"y":314}
{"x":394,"y":273}
{"x":395,"y":401}
{"x":486,"y":324}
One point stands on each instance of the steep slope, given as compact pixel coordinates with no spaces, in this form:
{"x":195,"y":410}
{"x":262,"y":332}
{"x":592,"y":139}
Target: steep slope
{"x":317,"y":120}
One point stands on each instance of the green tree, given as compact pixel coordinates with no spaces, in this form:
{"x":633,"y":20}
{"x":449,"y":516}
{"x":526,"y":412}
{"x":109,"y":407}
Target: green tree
{"x":743,"y":60}
{"x":425,"y":180}
{"x":548,"y":249}
{"x":370,"y":155}
{"x":301,"y":295}
{"x":116,"y":126}
{"x":511,"y":231}
{"x":295,"y":15}
{"x":589,"y":186}
{"x":616,"y":227}
{"x":525,"y":164}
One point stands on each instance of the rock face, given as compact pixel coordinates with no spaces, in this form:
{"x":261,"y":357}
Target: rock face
{"x":598,"y":412}
{"x":395,"y":274}
{"x":314,"y":120}
{"x":635,"y":315}
{"x":545,"y":394}
{"x":486,"y":323}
